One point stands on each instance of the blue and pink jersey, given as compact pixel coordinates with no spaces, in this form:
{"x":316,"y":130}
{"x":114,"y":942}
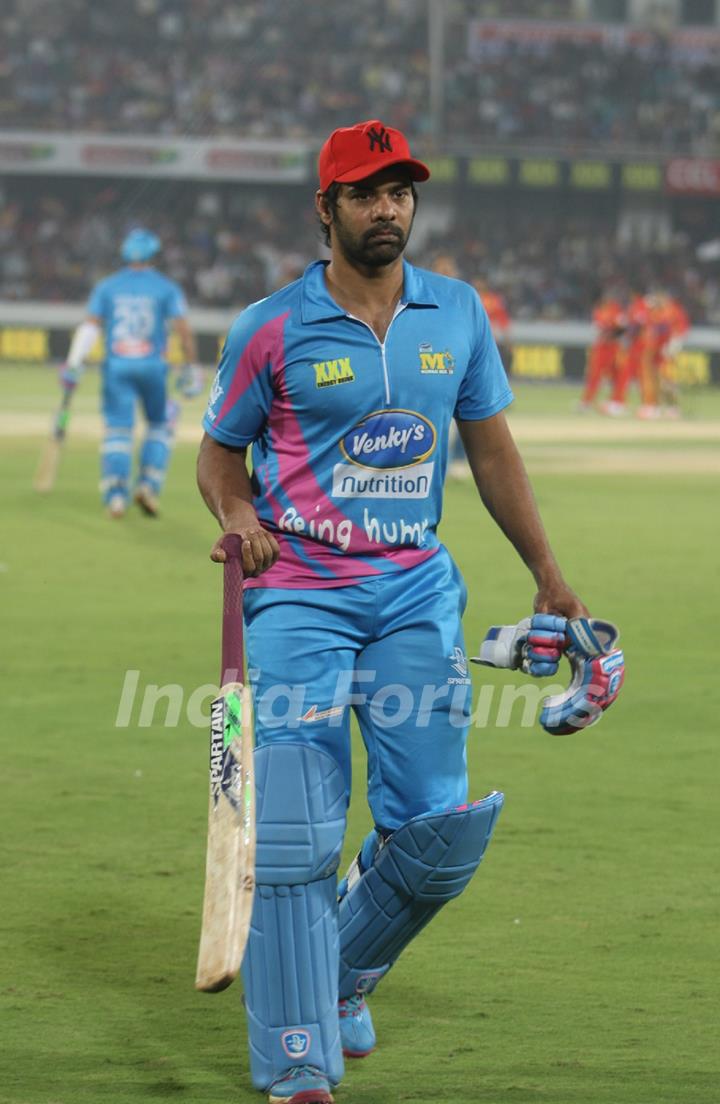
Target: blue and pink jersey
{"x":135,"y":305}
{"x":348,"y":434}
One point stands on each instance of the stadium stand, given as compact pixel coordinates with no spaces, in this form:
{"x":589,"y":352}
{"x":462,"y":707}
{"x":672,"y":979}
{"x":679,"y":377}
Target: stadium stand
{"x":615,"y":90}
{"x":196,"y":68}
{"x":225,"y":248}
{"x":229,"y":246}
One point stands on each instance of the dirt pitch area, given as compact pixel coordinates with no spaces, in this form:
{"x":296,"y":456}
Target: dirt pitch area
{"x":562,"y":444}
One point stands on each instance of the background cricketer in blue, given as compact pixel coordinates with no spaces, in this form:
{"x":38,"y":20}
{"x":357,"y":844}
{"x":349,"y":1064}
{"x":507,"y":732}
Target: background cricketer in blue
{"x":133,"y":309}
{"x":345,"y":384}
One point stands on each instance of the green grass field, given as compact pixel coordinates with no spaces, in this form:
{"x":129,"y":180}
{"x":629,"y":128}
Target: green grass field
{"x":580,"y":966}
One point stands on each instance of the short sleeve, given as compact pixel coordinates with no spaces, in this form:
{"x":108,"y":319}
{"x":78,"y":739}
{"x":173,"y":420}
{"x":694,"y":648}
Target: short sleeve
{"x":97,"y":301}
{"x":242,"y":391}
{"x":484,"y":390}
{"x":176,"y":303}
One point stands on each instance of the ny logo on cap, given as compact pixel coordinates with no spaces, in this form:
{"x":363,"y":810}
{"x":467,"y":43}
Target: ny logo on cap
{"x":379,"y":140}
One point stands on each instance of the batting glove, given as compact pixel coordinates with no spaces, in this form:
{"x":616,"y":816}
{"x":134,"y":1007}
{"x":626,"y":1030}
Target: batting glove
{"x":69,"y":377}
{"x":597,"y":666}
{"x":173,"y":410}
{"x":190,"y":381}
{"x":535,"y":645}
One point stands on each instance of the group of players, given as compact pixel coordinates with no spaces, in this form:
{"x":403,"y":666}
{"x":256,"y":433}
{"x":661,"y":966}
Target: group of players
{"x":638,"y":339}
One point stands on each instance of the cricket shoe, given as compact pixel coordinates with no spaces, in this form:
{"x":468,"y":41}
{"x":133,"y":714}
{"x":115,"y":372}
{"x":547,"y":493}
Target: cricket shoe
{"x":357,"y":1034}
{"x":301,"y":1085}
{"x":147,"y":500}
{"x":613,"y":409}
{"x":116,"y":506}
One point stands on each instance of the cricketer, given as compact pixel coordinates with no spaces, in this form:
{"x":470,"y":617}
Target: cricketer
{"x":345,"y":383}
{"x":132,"y":309}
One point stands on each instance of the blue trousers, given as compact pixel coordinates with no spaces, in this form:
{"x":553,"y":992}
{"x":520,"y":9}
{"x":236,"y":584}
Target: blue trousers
{"x":122,"y":388}
{"x":391,"y":649}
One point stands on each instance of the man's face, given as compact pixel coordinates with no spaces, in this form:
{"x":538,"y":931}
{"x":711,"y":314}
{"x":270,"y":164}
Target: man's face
{"x":373,"y":218}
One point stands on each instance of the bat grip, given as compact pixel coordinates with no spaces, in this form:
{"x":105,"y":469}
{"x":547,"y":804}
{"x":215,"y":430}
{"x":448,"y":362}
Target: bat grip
{"x":232,"y":622}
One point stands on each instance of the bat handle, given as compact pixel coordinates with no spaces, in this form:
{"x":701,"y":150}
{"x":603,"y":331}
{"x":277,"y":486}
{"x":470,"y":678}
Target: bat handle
{"x":232,"y":622}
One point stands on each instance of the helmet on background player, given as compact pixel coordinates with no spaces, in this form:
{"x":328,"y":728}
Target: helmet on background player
{"x":139,"y":245}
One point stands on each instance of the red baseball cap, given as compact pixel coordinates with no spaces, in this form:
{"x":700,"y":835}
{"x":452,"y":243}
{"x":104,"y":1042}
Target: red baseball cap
{"x":356,"y":152}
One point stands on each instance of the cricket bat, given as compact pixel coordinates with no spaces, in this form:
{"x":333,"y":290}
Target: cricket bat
{"x":47,"y":469}
{"x":230,"y":865}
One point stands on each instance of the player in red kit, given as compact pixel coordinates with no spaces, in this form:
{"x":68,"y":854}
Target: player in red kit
{"x":606,"y":353}
{"x":635,"y":350}
{"x":667,"y":325}
{"x":497,"y":313}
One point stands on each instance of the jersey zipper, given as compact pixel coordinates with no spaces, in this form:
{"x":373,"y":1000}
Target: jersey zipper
{"x":383,"y":356}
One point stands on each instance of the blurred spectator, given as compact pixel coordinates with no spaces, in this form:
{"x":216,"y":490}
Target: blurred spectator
{"x":445,"y":265}
{"x":199,"y":67}
{"x":496,"y":309}
{"x":227,"y":249}
{"x":556,"y":266}
{"x":227,"y":245}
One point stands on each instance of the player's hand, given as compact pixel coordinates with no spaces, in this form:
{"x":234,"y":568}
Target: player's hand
{"x":558,"y":598}
{"x":69,"y":377}
{"x":190,"y":381}
{"x":543,"y":648}
{"x":260,"y":550}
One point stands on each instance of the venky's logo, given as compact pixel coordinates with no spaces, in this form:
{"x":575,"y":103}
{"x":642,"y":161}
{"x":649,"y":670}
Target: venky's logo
{"x":389,"y":439}
{"x":330,"y":372}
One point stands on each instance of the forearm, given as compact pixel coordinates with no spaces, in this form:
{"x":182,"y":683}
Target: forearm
{"x":83,"y":342}
{"x":505,"y":490}
{"x":224,"y":483}
{"x":504,"y":487}
{"x":187,"y":340}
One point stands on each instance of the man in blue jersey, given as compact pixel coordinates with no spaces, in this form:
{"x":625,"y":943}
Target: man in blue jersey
{"x":344,"y":383}
{"x":132,"y":309}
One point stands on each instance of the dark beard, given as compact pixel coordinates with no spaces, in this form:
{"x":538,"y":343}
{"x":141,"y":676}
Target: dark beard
{"x":369,"y":253}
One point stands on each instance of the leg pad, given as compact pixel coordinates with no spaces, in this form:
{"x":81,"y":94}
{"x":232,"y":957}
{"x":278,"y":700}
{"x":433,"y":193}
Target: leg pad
{"x":290,"y":968}
{"x":424,"y":864}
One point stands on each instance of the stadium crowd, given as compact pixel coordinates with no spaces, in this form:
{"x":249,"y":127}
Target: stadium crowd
{"x":199,"y":67}
{"x":619,"y":95}
{"x":556,"y":268}
{"x":54,"y":245}
{"x":227,"y":249}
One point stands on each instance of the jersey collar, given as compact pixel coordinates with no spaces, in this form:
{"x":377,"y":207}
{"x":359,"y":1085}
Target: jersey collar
{"x":317,"y":305}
